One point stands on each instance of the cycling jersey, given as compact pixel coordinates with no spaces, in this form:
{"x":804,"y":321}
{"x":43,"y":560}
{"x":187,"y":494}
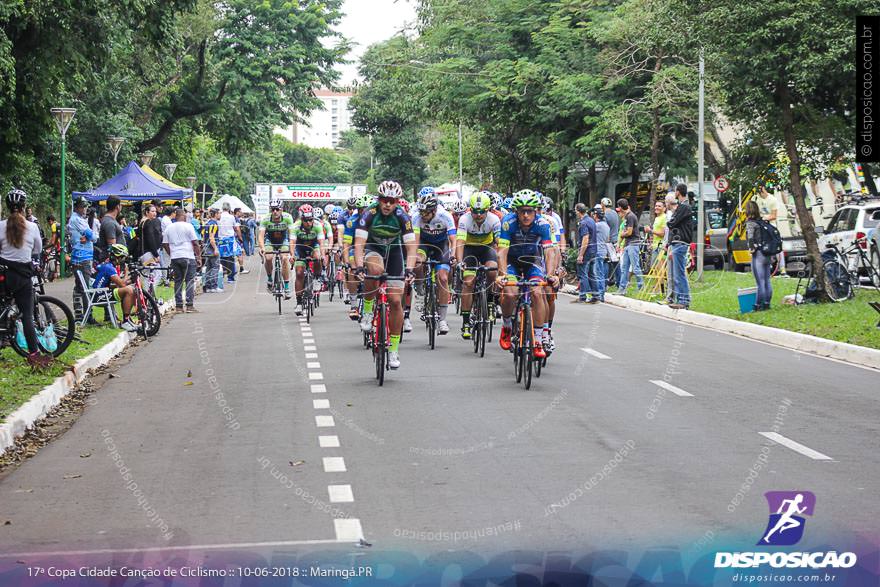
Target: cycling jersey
{"x":304,"y":236}
{"x":525,"y":242}
{"x":103,"y":273}
{"x":483,"y":234}
{"x":277,"y":233}
{"x":435,"y":231}
{"x":378,"y":229}
{"x":558,"y":222}
{"x":350,"y":225}
{"x":328,"y":230}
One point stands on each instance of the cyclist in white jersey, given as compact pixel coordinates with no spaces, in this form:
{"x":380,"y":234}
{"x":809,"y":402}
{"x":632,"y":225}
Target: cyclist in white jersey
{"x":476,"y":242}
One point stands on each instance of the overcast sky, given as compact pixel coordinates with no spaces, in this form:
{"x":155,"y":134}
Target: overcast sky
{"x":370,"y":21}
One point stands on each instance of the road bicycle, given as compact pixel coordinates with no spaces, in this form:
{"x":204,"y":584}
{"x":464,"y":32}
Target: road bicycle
{"x":277,"y":280}
{"x":53,"y":321}
{"x":430,"y":311}
{"x":380,"y":336}
{"x":842,"y":270}
{"x":482,"y":312}
{"x":50,"y":264}
{"x":522,"y":335}
{"x":455,"y":278}
{"x":310,"y":296}
{"x":146,"y":315}
{"x":335,"y":277}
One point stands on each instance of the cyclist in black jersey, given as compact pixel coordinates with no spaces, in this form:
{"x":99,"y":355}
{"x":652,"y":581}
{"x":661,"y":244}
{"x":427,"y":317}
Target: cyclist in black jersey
{"x":384,"y":242}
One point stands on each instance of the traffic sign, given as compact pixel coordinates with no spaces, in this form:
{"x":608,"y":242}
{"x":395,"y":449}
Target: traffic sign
{"x":721,"y":183}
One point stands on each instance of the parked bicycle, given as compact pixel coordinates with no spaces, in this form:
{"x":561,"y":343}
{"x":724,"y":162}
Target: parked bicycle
{"x":146,"y":315}
{"x":842,"y":270}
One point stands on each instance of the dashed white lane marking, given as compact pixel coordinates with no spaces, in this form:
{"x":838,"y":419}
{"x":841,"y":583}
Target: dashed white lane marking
{"x":348,"y":530}
{"x":595,"y":353}
{"x":321,"y":404}
{"x":308,"y":341}
{"x":311,"y":355}
{"x":328,"y":441}
{"x":334,"y":465}
{"x":795,"y":446}
{"x":324,"y":421}
{"x":310,"y":348}
{"x":319,"y":388}
{"x":672,"y":388}
{"x":313,"y":365}
{"x":316,"y":376}
{"x":340,"y":493}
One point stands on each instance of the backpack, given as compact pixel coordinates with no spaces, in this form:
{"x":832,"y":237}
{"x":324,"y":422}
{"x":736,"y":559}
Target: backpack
{"x":771,"y":241}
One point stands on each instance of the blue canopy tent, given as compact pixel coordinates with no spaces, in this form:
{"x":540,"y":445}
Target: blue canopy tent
{"x":133,"y":184}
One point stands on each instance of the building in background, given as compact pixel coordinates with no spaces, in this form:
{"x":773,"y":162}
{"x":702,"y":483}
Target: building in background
{"x":323,"y":127}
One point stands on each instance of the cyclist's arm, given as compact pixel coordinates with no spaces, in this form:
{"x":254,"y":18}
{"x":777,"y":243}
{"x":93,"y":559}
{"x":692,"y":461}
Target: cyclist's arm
{"x":260,"y":237}
{"x":459,"y":245}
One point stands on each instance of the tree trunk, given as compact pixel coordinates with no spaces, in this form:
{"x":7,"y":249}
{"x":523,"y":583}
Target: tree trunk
{"x":592,"y":189}
{"x":633,"y":183}
{"x":655,"y":145}
{"x":805,"y":217}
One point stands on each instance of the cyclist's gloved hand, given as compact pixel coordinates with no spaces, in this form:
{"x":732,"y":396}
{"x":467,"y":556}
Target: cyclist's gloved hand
{"x":359,"y":272}
{"x":409,"y":275}
{"x":552,"y":280}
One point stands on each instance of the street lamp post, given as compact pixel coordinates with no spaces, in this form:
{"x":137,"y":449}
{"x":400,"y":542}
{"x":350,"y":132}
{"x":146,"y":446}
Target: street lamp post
{"x":146,"y":158}
{"x":460,"y":166}
{"x":63,"y":118}
{"x":191,"y":183}
{"x":115,"y":144}
{"x":169,"y":170}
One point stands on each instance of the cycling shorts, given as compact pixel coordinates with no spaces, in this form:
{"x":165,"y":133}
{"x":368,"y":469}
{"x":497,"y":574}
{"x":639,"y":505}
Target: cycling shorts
{"x":530,"y":268}
{"x":393,"y":260}
{"x":271,"y":248}
{"x":304,"y":251}
{"x":436,"y":253}
{"x":477,"y":256}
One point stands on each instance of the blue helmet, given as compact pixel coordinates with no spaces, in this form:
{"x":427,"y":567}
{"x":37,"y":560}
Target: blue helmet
{"x":426,"y":191}
{"x":506,"y":202}
{"x":338,"y":210}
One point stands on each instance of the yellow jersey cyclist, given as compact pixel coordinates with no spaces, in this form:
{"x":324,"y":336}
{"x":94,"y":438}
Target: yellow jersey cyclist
{"x":308,"y":241}
{"x":384,"y":242}
{"x":434,"y":228}
{"x":276,"y":234}
{"x":476,"y":241}
{"x":523,"y":249}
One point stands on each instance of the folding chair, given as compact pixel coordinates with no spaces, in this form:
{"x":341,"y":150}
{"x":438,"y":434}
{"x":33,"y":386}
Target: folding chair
{"x":96,"y":297}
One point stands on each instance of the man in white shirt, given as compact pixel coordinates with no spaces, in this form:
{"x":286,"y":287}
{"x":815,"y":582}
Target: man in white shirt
{"x":181,"y":243}
{"x":227,"y":234}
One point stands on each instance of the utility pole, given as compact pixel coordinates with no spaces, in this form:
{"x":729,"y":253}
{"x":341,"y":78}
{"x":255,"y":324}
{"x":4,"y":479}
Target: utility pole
{"x":460,"y":166}
{"x":701,"y":215}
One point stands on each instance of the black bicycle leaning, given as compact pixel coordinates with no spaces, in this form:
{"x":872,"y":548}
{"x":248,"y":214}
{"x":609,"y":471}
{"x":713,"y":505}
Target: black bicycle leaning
{"x":842,"y":280}
{"x":53,"y":321}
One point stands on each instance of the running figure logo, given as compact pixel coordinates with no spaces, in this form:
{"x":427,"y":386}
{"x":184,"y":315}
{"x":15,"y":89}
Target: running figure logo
{"x":787,"y":511}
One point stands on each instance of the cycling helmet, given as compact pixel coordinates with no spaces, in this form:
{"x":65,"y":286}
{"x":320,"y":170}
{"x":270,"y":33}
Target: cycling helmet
{"x":426,"y":191}
{"x":607,"y":202}
{"x":352,"y":201}
{"x":328,"y":208}
{"x":496,"y":201}
{"x":333,"y":216}
{"x":318,"y":213}
{"x":405,"y":205}
{"x":274,"y":203}
{"x":506,"y":203}
{"x":118,"y":251}
{"x":480,"y":202}
{"x":428,"y":201}
{"x":338,"y":209}
{"x":459,"y":206}
{"x":390,"y":189}
{"x":306,"y":212}
{"x":16,"y":198}
{"x":364,"y":201}
{"x":525,"y":199}
{"x":547,"y":203}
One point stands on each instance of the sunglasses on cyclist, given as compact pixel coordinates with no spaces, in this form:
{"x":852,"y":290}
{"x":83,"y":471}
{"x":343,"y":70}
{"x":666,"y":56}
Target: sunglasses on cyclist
{"x":478,"y":211}
{"x":526,"y":210}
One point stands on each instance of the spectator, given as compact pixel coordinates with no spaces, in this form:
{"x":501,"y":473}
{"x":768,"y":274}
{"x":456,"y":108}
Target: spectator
{"x":211,"y":251}
{"x":82,"y":254}
{"x":613,"y":222}
{"x":251,"y":230}
{"x":182,"y":246}
{"x":681,"y":234}
{"x":164,"y":260}
{"x":196,"y":220}
{"x":110,"y":232}
{"x":228,"y":232}
{"x":19,"y":241}
{"x":629,"y":233}
{"x":93,"y":221}
{"x":766,"y":201}
{"x":603,"y":247}
{"x":657,"y":231}
{"x":760,"y":261}
{"x":671,"y":205}
{"x":239,"y":249}
{"x":586,"y":253}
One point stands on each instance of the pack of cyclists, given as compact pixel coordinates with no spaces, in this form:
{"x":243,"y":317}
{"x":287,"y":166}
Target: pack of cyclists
{"x":385,"y":238}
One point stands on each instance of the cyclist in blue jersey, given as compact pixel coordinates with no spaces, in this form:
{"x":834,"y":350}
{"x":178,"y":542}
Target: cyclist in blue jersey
{"x":435,"y":231}
{"x":523,"y":249}
{"x":351,"y":283}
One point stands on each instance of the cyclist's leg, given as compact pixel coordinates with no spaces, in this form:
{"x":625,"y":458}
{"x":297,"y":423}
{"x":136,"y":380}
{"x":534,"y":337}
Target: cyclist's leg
{"x":268,"y":260}
{"x":395,"y":269}
{"x":126,"y":298}
{"x":302,"y":253}
{"x":471,"y":261}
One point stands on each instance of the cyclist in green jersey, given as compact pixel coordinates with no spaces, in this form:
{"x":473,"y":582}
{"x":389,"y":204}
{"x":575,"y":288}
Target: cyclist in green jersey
{"x":276,"y":233}
{"x":308,"y":239}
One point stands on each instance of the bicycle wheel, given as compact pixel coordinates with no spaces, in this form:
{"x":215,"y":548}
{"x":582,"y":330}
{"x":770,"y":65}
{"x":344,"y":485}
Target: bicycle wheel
{"x":54,"y":324}
{"x":516,"y":341}
{"x":430,"y":312}
{"x":482,"y":327}
{"x":380,"y":348}
{"x":839,"y":285}
{"x":527,"y":348}
{"x":152,"y":315}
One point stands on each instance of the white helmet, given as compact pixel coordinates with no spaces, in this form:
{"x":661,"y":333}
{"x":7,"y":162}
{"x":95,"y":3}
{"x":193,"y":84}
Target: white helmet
{"x":274,"y":203}
{"x":318,"y":213}
{"x":329,"y":208}
{"x":390,"y":189}
{"x":459,"y":206}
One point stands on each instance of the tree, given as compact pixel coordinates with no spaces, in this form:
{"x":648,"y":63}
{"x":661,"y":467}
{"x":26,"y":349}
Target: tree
{"x":788,"y":80}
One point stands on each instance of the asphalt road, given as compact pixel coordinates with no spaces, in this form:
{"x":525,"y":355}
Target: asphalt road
{"x":242,"y":427}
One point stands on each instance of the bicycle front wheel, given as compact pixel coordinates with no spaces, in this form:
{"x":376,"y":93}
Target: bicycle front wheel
{"x":839,"y":285}
{"x":527,"y":348}
{"x":152,"y":317}
{"x":380,"y":345}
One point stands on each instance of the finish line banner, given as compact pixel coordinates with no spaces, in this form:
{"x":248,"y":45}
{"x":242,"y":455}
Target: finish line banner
{"x":309,"y":192}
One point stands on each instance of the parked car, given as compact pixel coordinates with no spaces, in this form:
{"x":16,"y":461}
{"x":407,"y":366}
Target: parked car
{"x":852,"y":222}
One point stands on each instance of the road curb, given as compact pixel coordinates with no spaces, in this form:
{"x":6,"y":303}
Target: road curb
{"x":36,"y":408}
{"x":807,"y":343}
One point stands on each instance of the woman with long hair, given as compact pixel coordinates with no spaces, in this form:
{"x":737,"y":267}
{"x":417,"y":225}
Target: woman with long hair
{"x":19,"y":242}
{"x":760,"y":262}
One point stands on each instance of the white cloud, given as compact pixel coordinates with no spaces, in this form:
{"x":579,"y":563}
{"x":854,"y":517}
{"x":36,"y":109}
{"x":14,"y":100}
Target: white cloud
{"x":369,"y":21}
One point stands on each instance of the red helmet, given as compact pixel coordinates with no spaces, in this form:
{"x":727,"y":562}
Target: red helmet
{"x":306,"y":212}
{"x":403,"y":204}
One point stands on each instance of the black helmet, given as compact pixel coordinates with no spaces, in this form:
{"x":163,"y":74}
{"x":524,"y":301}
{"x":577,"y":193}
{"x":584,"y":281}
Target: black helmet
{"x":15,"y":199}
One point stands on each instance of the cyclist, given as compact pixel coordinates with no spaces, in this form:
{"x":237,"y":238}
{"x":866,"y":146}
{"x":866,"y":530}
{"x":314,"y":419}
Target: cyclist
{"x":496,"y":206}
{"x":276,"y":231}
{"x":551,"y":291}
{"x":385,"y":242}
{"x":435,"y":233}
{"x":476,"y":239}
{"x":308,"y":242}
{"x":458,"y":208}
{"x":363,"y":202}
{"x":112,"y":274}
{"x":325,"y":225}
{"x":522,"y":248}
